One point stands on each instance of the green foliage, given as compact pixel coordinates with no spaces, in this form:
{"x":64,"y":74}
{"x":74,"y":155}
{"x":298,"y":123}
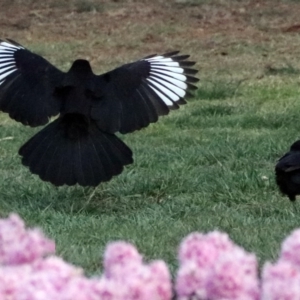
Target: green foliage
{"x":207,"y":166}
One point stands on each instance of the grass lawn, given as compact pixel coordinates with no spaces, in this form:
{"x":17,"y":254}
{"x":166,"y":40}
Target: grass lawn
{"x":206,"y":166}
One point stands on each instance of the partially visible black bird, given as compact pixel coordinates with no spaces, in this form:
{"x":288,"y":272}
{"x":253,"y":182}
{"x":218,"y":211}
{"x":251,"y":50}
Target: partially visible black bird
{"x":287,"y":172}
{"x":80,"y":146}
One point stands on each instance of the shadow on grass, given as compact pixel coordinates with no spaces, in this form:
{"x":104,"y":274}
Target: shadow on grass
{"x":110,"y":198}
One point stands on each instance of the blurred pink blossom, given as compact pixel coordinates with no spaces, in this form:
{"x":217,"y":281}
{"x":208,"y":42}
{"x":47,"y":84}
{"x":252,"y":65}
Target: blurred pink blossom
{"x":94,"y":289}
{"x":203,"y":249}
{"x":120,"y":258}
{"x":213,"y":267}
{"x":146,"y":282}
{"x":233,"y":276}
{"x":42,"y":279}
{"x":280,"y":281}
{"x":190,"y":281}
{"x":160,"y":280}
{"x":18,"y":245}
{"x":290,"y":248}
{"x":123,"y":264}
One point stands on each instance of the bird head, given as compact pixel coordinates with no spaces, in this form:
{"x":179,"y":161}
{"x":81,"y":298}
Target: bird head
{"x":81,"y":66}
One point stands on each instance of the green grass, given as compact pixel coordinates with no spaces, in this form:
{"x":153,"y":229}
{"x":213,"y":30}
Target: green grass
{"x":207,"y":166}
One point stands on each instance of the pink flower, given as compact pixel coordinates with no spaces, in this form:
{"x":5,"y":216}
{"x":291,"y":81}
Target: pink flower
{"x":220,"y":240}
{"x":280,"y":281}
{"x":82,"y":288}
{"x":197,"y":253}
{"x":144,"y":282}
{"x":42,"y":279}
{"x":124,"y":265}
{"x":151,"y":282}
{"x":196,"y":248}
{"x":137,"y":287}
{"x":18,"y":245}
{"x":54,"y":279}
{"x":120,"y":258}
{"x":213,"y":267}
{"x":56,"y":270}
{"x":203,"y":249}
{"x":10,"y":279}
{"x":233,"y":276}
{"x":161,"y":280}
{"x":290,"y":248}
{"x":191,"y":280}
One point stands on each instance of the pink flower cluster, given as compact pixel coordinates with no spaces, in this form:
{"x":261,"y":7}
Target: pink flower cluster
{"x":213,"y":267}
{"x":18,"y":245}
{"x":281,"y":280}
{"x":26,"y":274}
{"x":123,"y":266}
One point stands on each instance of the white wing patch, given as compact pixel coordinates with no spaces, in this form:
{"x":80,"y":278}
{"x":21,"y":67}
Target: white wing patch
{"x":7,"y":61}
{"x":167,"y":79}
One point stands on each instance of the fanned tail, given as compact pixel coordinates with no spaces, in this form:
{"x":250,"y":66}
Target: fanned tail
{"x":71,"y":150}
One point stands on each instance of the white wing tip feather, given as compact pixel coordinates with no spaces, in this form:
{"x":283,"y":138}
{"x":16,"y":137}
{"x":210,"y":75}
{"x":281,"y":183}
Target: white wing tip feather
{"x":7,"y":61}
{"x":167,"y":79}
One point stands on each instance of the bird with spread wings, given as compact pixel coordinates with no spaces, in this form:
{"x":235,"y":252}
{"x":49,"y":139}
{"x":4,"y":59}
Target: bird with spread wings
{"x":80,"y":145}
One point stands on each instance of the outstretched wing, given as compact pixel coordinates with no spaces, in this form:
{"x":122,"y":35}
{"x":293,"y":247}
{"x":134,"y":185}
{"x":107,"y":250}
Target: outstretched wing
{"x":136,"y":94}
{"x":27,"y":85}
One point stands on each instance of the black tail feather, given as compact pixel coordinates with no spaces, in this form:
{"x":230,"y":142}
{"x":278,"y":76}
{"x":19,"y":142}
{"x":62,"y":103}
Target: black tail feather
{"x":88,"y":159}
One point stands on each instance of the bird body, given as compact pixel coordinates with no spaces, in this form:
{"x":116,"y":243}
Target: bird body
{"x":75,"y":95}
{"x":80,"y":145}
{"x":287,"y":171}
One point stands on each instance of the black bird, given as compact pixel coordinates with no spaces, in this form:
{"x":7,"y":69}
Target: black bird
{"x":287,"y":172}
{"x":80,"y":146}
